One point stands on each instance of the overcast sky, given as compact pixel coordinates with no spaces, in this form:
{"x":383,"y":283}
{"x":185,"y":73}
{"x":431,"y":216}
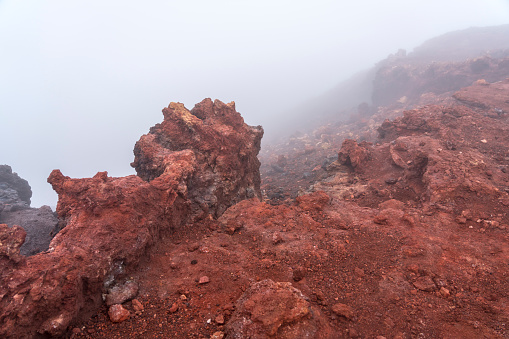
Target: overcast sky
{"x":81,"y":81}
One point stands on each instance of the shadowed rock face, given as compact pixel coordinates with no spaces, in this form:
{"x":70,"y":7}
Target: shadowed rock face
{"x":110,"y":222}
{"x":40,"y":224}
{"x":215,"y":132}
{"x":14,"y":191}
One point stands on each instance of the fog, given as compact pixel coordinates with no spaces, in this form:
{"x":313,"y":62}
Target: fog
{"x":81,"y":81}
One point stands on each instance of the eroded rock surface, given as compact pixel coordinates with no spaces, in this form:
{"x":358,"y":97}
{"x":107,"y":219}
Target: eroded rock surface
{"x":111,"y":222}
{"x":214,"y":131}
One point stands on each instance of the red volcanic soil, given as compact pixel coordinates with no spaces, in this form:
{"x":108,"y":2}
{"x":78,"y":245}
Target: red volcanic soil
{"x":405,"y":236}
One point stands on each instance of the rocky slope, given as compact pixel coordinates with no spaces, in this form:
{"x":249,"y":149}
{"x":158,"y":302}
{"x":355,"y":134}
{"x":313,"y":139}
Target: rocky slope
{"x":405,"y":238}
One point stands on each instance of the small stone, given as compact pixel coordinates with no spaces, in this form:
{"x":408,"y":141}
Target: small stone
{"x":220,"y":319}
{"x":173,"y":265}
{"x":425,"y":283}
{"x":217,"y":335}
{"x":359,"y":271}
{"x":299,"y":273}
{"x":174,"y":308}
{"x":461,"y":220}
{"x":118,"y":313}
{"x":122,"y":293}
{"x":391,"y":181}
{"x":137,"y":306}
{"x":484,"y":141}
{"x":194,"y":262}
{"x":276,"y":238}
{"x":445,"y":292}
{"x":76,"y":330}
{"x":353,"y":333}
{"x":204,"y":280}
{"x":343,"y":310}
{"x":193,"y":247}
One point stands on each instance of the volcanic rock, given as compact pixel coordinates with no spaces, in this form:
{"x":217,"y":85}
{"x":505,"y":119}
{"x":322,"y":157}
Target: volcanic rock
{"x":40,"y":224}
{"x":118,"y":294}
{"x":14,"y":191}
{"x":221,"y":179}
{"x":353,"y":154}
{"x":118,"y":313}
{"x":205,"y":160}
{"x":265,"y":308}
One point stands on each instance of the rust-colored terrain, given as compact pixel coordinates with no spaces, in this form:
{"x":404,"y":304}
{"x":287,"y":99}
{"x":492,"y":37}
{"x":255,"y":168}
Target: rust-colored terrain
{"x":393,"y":225}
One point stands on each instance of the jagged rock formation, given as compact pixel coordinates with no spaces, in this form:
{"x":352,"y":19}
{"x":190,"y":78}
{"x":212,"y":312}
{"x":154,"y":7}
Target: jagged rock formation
{"x":40,"y":224}
{"x":15,"y":192}
{"x":213,"y":131}
{"x":111,"y":222}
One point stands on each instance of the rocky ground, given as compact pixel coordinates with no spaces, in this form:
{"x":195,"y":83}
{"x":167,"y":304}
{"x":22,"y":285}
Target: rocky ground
{"x":403,"y":237}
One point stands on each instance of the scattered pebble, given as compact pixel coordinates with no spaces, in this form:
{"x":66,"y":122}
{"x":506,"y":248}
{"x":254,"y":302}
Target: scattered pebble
{"x":343,"y":310}
{"x":137,"y":306}
{"x":220,"y":319}
{"x":174,"y":308}
{"x":118,"y":313}
{"x":217,"y":335}
{"x":194,"y":262}
{"x":204,"y":280}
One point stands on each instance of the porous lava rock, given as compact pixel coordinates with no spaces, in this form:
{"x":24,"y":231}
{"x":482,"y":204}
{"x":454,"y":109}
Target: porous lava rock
{"x":213,"y":131}
{"x":111,"y":222}
{"x":353,"y":154}
{"x":267,"y":308}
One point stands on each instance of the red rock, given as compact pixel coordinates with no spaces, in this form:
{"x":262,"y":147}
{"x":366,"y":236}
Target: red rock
{"x":220,"y":319}
{"x":203,"y":280}
{"x":343,"y":310}
{"x":213,"y":132}
{"x":315,"y":201}
{"x":267,"y":307}
{"x":118,"y":313}
{"x":425,"y":283}
{"x":353,"y":154}
{"x":194,"y":163}
{"x":174,"y":308}
{"x":137,"y":305}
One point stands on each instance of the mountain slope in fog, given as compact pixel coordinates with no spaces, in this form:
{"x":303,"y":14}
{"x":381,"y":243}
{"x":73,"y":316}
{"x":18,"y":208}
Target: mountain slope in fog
{"x":372,"y":87}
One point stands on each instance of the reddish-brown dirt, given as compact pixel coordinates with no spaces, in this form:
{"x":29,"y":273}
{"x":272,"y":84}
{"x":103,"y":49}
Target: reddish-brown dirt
{"x":404,"y":236}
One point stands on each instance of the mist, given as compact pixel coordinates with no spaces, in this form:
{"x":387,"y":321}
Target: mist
{"x":81,"y":81}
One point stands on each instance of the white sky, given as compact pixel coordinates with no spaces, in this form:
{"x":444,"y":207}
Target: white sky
{"x":81,"y":81}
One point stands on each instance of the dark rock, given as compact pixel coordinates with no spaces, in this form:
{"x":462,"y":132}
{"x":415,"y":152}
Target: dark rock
{"x":40,"y":224}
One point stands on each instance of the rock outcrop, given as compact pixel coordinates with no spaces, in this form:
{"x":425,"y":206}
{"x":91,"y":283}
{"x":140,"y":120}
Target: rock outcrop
{"x":111,"y":222}
{"x":213,"y":131}
{"x":40,"y":224}
{"x":15,"y":192}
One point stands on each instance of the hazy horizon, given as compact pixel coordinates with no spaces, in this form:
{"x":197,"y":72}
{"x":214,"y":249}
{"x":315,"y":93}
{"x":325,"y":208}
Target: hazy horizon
{"x":80,"y":82}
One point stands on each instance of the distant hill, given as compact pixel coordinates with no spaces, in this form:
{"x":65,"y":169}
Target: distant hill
{"x":359,"y":91}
